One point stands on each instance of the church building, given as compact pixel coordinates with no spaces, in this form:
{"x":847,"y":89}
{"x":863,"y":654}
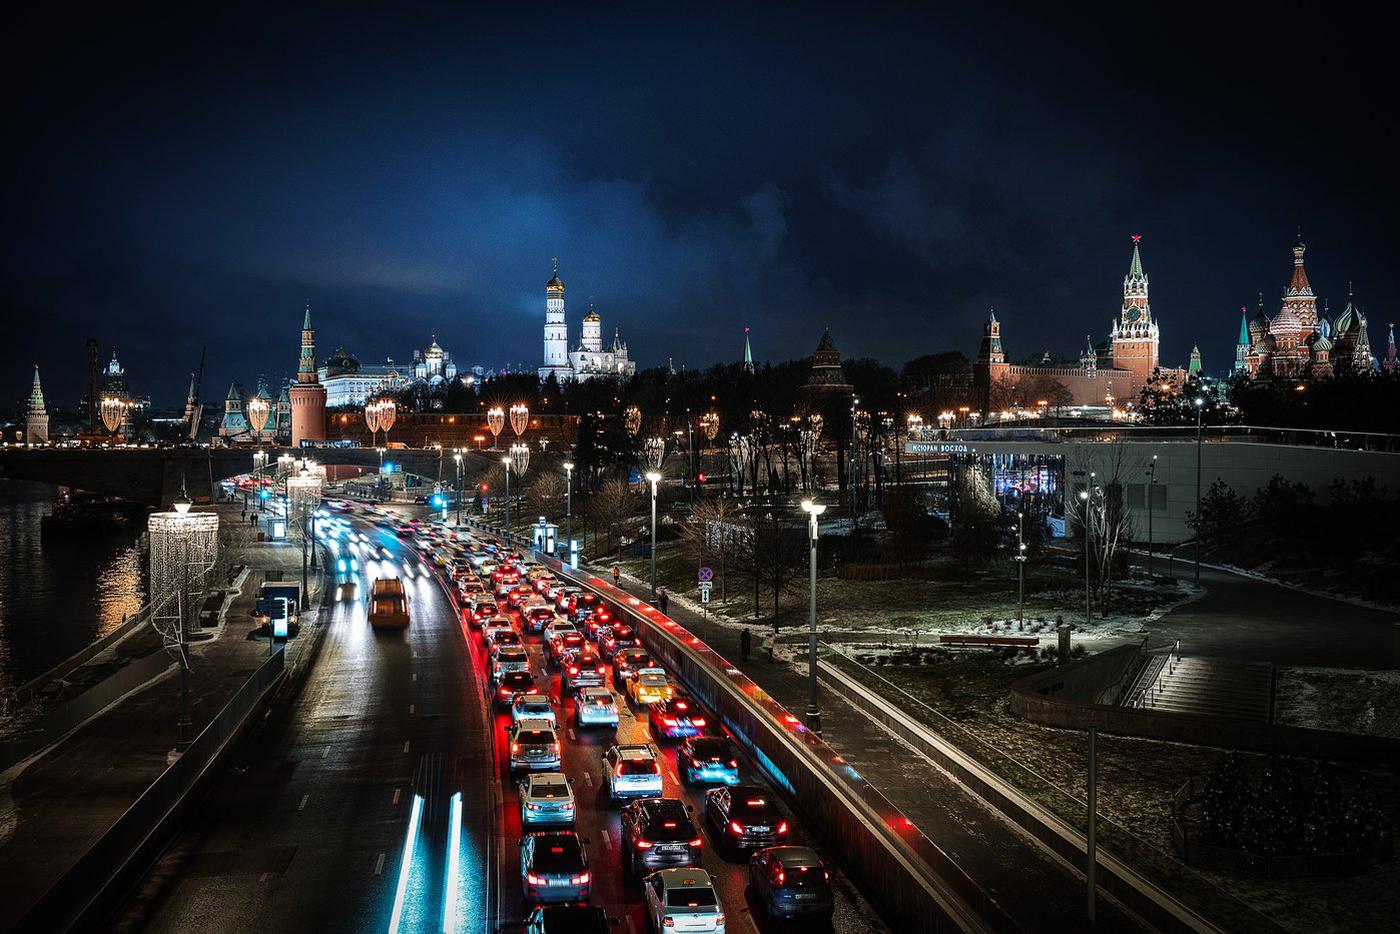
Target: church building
{"x":588,"y":358}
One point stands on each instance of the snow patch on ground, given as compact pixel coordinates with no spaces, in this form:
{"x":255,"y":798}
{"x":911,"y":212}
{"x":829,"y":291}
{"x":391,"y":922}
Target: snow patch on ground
{"x":1348,"y":700}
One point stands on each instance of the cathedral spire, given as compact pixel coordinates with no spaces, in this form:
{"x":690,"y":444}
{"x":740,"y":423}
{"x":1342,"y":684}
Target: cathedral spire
{"x":748,"y":351}
{"x":1135,"y":269}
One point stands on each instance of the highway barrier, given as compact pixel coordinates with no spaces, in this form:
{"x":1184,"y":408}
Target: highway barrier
{"x":82,"y":896}
{"x":916,"y":885}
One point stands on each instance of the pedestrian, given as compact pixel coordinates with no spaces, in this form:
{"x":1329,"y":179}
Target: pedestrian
{"x":245,"y":512}
{"x":617,"y":575}
{"x":663,"y":600}
{"x":745,"y":643}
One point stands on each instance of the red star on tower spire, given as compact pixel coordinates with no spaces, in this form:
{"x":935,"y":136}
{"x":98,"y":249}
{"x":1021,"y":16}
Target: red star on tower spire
{"x":1137,"y":238}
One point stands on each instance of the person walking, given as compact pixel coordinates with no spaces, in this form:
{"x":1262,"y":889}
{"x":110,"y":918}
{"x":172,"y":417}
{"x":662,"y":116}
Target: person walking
{"x":664,"y":601}
{"x":745,"y":643}
{"x":617,"y":575}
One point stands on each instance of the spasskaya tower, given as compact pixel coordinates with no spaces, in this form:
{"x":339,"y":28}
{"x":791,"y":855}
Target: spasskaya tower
{"x":1133,"y":342}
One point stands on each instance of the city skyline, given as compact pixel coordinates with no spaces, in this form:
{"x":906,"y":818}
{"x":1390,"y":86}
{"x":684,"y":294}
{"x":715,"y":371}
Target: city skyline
{"x":421,"y":172}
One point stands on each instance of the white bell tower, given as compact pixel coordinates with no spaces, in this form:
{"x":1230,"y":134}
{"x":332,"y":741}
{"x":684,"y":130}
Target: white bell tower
{"x":556,"y":330}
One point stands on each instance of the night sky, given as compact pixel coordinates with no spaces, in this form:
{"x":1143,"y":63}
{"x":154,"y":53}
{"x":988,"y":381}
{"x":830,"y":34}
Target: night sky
{"x":176,"y":178}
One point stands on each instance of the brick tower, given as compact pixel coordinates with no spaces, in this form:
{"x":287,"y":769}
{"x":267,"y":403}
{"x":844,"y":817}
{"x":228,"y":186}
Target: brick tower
{"x":308,"y":396}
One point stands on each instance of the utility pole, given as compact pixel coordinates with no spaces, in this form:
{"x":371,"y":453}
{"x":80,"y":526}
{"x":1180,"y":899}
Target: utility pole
{"x":1151,"y":486}
{"x":814,"y":714}
{"x":1200,"y":405}
{"x":569,"y":508}
{"x":1020,"y":567}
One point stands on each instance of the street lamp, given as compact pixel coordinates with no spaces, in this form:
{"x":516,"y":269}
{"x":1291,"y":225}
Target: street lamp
{"x":814,"y":715}
{"x":655,"y":478}
{"x":1088,"y":520}
{"x":506,"y":460}
{"x":1200,"y":406}
{"x":1151,"y":485}
{"x":569,"y":507}
{"x":1020,"y":567}
{"x":457,"y":459}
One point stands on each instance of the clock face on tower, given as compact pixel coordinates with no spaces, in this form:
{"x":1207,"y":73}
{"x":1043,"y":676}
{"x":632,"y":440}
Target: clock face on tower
{"x":1132,"y":314}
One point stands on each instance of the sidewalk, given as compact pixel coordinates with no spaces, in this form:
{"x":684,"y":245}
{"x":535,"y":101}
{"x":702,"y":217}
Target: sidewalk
{"x":54,"y":806}
{"x":1035,"y":888}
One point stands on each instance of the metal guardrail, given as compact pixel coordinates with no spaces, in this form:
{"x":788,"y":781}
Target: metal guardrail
{"x":82,"y":895}
{"x":1257,"y":434}
{"x":922,"y":886}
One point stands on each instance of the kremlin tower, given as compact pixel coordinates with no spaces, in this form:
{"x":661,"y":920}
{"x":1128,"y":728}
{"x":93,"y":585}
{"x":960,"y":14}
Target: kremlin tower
{"x":556,"y":330}
{"x":1133,"y":343}
{"x":36,"y":420}
{"x":308,"y":396}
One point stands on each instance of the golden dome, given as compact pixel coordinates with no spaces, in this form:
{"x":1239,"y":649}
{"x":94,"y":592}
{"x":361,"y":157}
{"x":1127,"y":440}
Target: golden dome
{"x":592,"y":316}
{"x":554,"y":284}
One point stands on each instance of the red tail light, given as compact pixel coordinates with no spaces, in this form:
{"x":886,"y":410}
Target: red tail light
{"x":534,"y":879}
{"x":698,"y":721}
{"x":669,"y":721}
{"x":782,"y":877}
{"x":735,"y":828}
{"x":782,"y":827}
{"x":696,"y":842}
{"x":602,"y":670}
{"x":580,"y":879}
{"x":514,"y":748}
{"x":644,"y":844}
{"x":733,"y":763}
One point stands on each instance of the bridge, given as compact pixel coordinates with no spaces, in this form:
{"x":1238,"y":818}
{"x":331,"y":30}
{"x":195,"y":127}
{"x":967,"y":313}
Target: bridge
{"x":153,"y":476}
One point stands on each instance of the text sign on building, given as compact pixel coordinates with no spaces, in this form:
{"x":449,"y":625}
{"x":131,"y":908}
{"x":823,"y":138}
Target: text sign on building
{"x":934,"y":447}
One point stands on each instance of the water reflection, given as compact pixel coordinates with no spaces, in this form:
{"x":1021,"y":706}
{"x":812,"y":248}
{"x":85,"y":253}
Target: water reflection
{"x":60,"y":593}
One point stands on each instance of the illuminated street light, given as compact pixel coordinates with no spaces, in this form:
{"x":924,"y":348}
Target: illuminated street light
{"x":519,"y":418}
{"x":814,"y":714}
{"x":495,"y":421}
{"x":654,"y":478}
{"x":569,"y":505}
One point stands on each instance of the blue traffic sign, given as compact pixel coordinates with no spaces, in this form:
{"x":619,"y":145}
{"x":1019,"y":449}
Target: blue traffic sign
{"x":706,"y":574}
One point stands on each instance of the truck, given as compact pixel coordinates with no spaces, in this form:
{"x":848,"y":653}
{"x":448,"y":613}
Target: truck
{"x":388,"y":603}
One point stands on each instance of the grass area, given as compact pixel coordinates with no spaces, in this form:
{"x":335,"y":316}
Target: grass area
{"x":1136,"y":780}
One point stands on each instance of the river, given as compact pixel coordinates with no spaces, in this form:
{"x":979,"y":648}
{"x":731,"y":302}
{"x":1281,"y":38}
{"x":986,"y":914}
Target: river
{"x":59,"y":594}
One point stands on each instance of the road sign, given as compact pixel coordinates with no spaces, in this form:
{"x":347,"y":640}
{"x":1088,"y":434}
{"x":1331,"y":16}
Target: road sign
{"x":706,"y":575}
{"x":705,"y":592}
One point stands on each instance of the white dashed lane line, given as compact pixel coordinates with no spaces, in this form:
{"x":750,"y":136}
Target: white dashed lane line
{"x":396,"y":796}
{"x":405,"y":746}
{"x":379,"y":864}
{"x":302,"y":806}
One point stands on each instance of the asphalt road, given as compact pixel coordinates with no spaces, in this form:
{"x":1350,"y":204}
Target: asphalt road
{"x":308,"y":832}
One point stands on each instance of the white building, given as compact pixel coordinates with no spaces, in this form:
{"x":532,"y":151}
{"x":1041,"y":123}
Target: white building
{"x":350,"y":382}
{"x":588,"y":359}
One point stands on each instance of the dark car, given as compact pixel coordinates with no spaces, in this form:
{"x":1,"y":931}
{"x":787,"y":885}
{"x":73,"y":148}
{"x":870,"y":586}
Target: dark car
{"x":745,"y":817}
{"x":617,"y":637}
{"x":676,"y":718}
{"x":554,"y":867}
{"x":565,"y":643}
{"x":512,"y":683}
{"x":626,"y":663}
{"x":564,"y":598}
{"x":791,"y":881}
{"x":583,"y":669}
{"x":658,"y":833}
{"x":711,"y":759}
{"x":596,"y":621}
{"x":536,"y":618}
{"x":567,"y":919}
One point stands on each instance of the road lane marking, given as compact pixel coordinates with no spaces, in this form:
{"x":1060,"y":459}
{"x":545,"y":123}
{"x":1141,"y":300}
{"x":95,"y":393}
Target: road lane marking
{"x":572,"y":735}
{"x":606,"y":840}
{"x":379,"y":863}
{"x":410,"y":708}
{"x":302,"y":806}
{"x":588,"y":777}
{"x":263,"y":877}
{"x":325,"y":752}
{"x":405,"y":747}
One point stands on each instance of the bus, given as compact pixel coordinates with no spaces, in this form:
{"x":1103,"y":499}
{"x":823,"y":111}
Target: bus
{"x":388,"y":604}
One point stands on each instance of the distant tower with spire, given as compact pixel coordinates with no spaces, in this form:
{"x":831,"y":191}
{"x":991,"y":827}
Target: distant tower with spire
{"x":308,"y":396}
{"x":36,"y":420}
{"x":1390,"y":364}
{"x":1133,"y":342}
{"x":1194,"y":367}
{"x":748,"y":352}
{"x":556,"y":329}
{"x":1243,"y":343}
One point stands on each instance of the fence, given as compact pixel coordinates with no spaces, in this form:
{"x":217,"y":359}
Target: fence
{"x":88,"y":890}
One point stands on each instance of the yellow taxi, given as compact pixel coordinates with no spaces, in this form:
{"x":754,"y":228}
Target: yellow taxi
{"x":650,"y":685}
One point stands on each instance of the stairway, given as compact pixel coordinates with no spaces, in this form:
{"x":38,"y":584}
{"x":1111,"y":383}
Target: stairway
{"x":1212,"y":687}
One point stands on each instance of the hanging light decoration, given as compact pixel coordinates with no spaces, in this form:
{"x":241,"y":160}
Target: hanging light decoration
{"x":495,"y":421}
{"x":519,"y":418}
{"x":259,"y":408}
{"x":113,"y":411}
{"x":632,"y":420}
{"x":372,"y":410}
{"x":655,"y":449}
{"x":388,"y":411}
{"x":184,"y":546}
{"x":709,"y":424}
{"x":520,"y":457}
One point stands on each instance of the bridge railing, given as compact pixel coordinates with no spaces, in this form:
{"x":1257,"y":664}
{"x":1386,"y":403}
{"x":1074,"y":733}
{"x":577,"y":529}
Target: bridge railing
{"x":1255,"y":434}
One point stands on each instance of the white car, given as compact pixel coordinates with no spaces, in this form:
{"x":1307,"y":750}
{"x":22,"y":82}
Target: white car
{"x":531,"y":707}
{"x":683,"y":900}
{"x":493,"y":628}
{"x":595,"y":707}
{"x":632,"y":771}
{"x":546,"y":798}
{"x":534,"y":746}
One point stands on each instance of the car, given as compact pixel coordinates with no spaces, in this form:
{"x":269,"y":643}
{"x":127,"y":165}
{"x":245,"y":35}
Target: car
{"x":508,"y":638}
{"x":649,"y":685}
{"x":509,"y":658}
{"x":554,"y":867}
{"x":564,"y":641}
{"x":494,"y":628}
{"x":790,"y":881}
{"x":745,"y":817}
{"x":568,"y":919}
{"x":546,"y":798}
{"x":626,"y":662}
{"x":484,"y":609}
{"x":683,"y":900}
{"x":583,"y":669}
{"x":536,"y":618}
{"x":519,"y":593}
{"x":617,"y":637}
{"x":512,"y":683}
{"x":531,"y":707}
{"x":675,"y":718}
{"x":656,"y":833}
{"x":594,"y":707}
{"x":709,"y":759}
{"x":632,"y":771}
{"x":596,"y":621}
{"x":388,"y":603}
{"x":534,"y":746}
{"x":564,"y":597}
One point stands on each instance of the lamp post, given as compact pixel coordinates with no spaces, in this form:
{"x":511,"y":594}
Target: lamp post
{"x":185,"y":725}
{"x":569,"y":507}
{"x":1151,"y":485}
{"x":1020,"y":567}
{"x":1200,"y":406}
{"x":506,"y":460}
{"x":655,"y":478}
{"x":1088,"y":519}
{"x":814,"y":714}
{"x":457,"y":459}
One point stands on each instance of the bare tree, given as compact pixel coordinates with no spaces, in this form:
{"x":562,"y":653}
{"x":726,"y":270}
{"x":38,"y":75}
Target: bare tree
{"x":1110,"y":525}
{"x":714,"y":531}
{"x":613,"y":506}
{"x":544,"y":495}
